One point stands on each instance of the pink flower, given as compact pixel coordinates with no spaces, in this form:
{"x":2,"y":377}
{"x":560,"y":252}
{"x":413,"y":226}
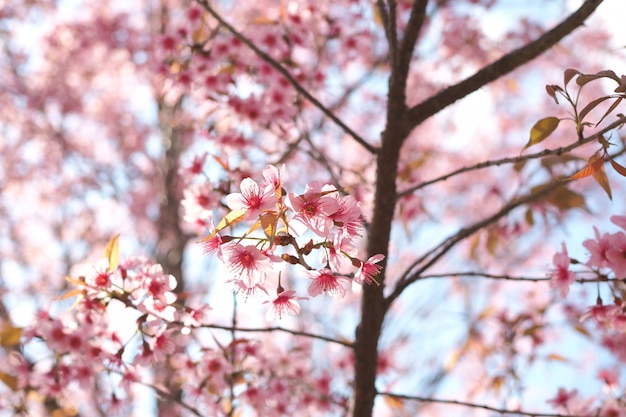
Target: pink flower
{"x":272,"y":176}
{"x":616,"y":253}
{"x":597,"y":249}
{"x":600,"y":313}
{"x":248,"y":262}
{"x":325,"y":282}
{"x":562,"y":277}
{"x":313,"y":208}
{"x":348,"y":218}
{"x":619,"y":221}
{"x":562,"y":398}
{"x":252,"y":198}
{"x":285,"y":303}
{"x":609,"y":376}
{"x":194,"y":169}
{"x":242,"y":287}
{"x":368,"y":270}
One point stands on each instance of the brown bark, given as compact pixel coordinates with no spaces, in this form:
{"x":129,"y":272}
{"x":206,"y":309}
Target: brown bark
{"x":171,"y":240}
{"x":400,"y":122}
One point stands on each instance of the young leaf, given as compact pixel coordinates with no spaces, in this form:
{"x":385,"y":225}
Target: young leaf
{"x":551,"y":90}
{"x":269,"y":221}
{"x":568,"y":75}
{"x":112,"y":252}
{"x":593,"y":165}
{"x":10,"y":336}
{"x":71,"y":294}
{"x":230,"y":219}
{"x":613,"y":106}
{"x":591,"y":105}
{"x":600,"y":176}
{"x":586,"y":78}
{"x":618,"y":168}
{"x":542,"y":129}
{"x":9,"y":380}
{"x":557,"y":357}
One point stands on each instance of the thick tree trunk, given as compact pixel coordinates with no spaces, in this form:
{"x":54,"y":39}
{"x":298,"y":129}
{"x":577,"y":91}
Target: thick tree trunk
{"x":171,"y":240}
{"x":373,"y":306}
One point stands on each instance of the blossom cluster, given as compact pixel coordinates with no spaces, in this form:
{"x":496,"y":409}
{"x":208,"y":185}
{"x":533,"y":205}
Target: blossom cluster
{"x":126,"y":320}
{"x":285,"y":222}
{"x":605,"y":263}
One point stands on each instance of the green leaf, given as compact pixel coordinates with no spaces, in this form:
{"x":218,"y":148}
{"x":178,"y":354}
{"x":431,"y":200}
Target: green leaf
{"x":542,"y":129}
{"x":112,"y":252}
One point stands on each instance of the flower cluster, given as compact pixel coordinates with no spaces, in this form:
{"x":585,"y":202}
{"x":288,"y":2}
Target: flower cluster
{"x":284,"y":228}
{"x":126,"y":320}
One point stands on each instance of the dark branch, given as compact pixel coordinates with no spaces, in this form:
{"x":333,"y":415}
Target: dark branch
{"x":413,"y":29}
{"x":515,"y":159}
{"x":504,"y":65}
{"x":285,"y":73}
{"x":278,"y":329}
{"x":431,"y":257}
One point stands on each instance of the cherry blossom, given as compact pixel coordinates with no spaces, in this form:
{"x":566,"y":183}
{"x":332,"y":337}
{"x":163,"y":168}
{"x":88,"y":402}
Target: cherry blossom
{"x":313,"y":208}
{"x":325,"y":282}
{"x":284,"y":304}
{"x":562,"y":277}
{"x":252,"y":199}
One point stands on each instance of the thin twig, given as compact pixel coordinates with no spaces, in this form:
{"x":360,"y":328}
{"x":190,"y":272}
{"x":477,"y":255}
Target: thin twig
{"x":505,"y":277}
{"x":432,"y":256}
{"x":471,"y":405}
{"x":279,"y":329}
{"x":285,"y":73}
{"x":515,"y":159}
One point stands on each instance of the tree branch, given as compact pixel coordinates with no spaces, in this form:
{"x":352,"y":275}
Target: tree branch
{"x":413,"y":29}
{"x":278,"y":329}
{"x":283,"y":71}
{"x":432,"y":256}
{"x":512,"y":278}
{"x":515,"y":159}
{"x":502,"y":66}
{"x":471,"y":405}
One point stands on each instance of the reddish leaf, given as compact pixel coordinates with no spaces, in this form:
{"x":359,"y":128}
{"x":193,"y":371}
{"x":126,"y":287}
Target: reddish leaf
{"x":586,"y":78}
{"x":591,"y":105}
{"x":591,"y":168}
{"x":223,"y":164}
{"x":603,"y":180}
{"x":618,"y":168}
{"x":613,"y":106}
{"x":568,"y":75}
{"x":542,"y":129}
{"x":551,"y":90}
